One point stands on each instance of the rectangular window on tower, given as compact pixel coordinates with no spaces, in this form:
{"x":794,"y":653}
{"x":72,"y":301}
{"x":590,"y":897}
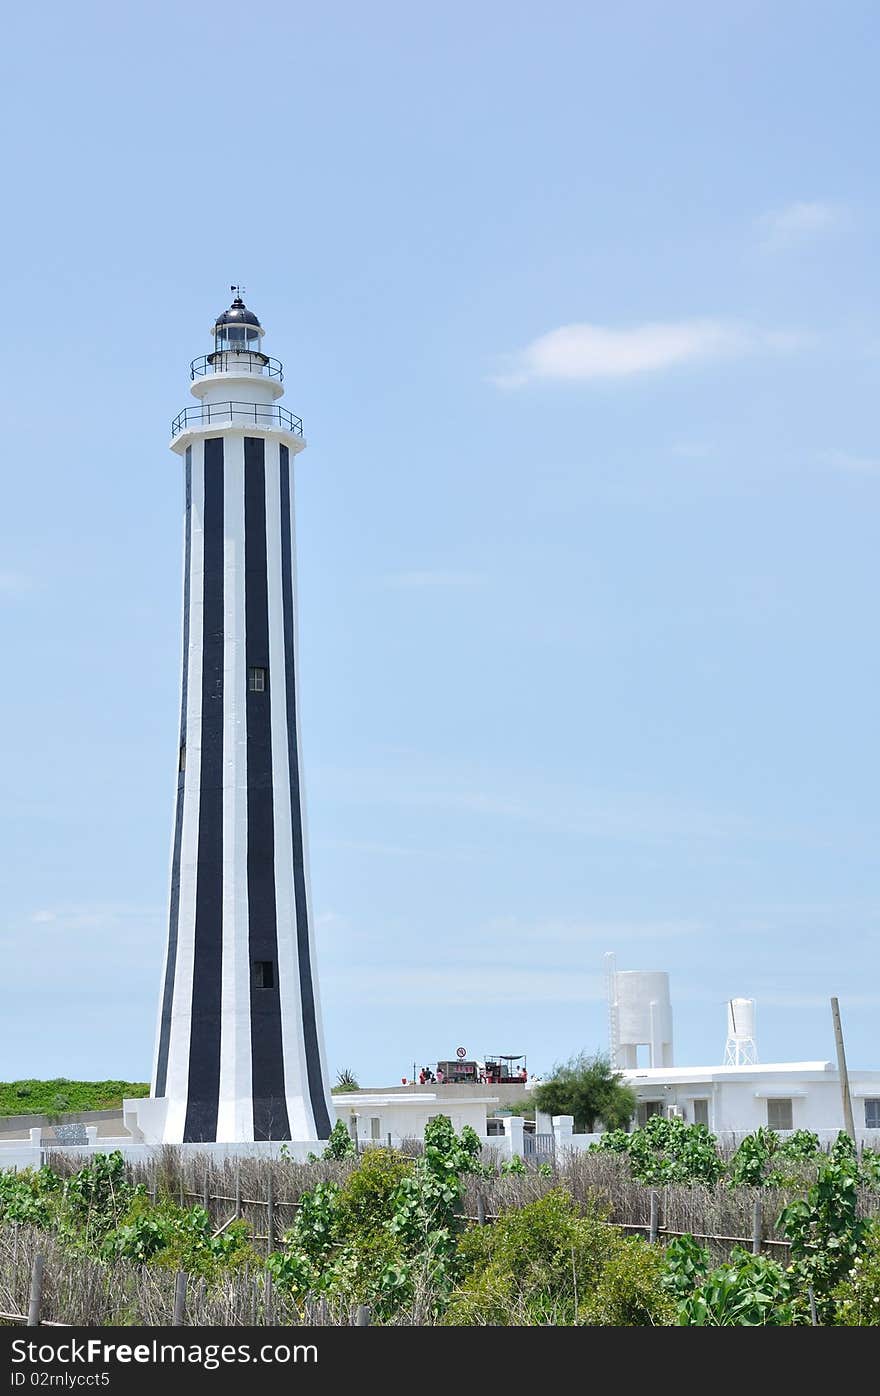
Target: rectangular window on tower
{"x":264,"y":974}
{"x":257,"y":680}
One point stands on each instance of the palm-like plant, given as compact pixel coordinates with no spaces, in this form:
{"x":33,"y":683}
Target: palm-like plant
{"x":346,"y":1080}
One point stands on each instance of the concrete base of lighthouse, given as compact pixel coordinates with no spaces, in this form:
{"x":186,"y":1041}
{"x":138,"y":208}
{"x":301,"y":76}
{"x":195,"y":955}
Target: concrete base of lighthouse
{"x":145,"y":1119}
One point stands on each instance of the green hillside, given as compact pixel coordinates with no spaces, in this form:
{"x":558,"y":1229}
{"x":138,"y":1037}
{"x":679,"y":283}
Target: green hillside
{"x":61,"y":1096}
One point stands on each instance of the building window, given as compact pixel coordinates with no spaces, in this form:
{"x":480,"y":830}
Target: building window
{"x":647,"y":1108}
{"x":264,"y":974}
{"x":701,"y":1112}
{"x":779,"y":1114}
{"x":872,"y":1114}
{"x":375,"y":1126}
{"x":256,"y":680}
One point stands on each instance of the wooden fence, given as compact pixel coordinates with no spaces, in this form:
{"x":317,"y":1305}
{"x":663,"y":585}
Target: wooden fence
{"x":185,"y":1300}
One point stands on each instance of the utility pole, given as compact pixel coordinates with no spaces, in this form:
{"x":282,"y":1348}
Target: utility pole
{"x":841,"y":1067}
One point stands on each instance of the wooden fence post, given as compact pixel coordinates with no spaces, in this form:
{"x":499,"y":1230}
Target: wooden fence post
{"x":481,"y":1209}
{"x":268,"y":1317}
{"x":206,"y":1196}
{"x":814,"y":1318}
{"x":757,"y":1226}
{"x":654,"y":1223}
{"x":36,"y":1295}
{"x":182,"y":1198}
{"x":362,"y":1317}
{"x":270,"y":1209}
{"x":179,"y":1300}
{"x":237,"y":1191}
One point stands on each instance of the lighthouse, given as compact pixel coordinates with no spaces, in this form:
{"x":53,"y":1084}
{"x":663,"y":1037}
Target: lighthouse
{"x":239,"y":1043}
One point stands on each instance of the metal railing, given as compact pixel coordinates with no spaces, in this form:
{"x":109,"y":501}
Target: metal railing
{"x":261,"y":414}
{"x":218,"y":362}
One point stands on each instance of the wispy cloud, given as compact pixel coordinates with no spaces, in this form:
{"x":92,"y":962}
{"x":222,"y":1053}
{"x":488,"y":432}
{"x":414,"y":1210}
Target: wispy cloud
{"x":71,"y":943}
{"x":853,"y":463}
{"x":583,"y":352}
{"x":797,"y":222}
{"x":14,"y":584}
{"x":415,"y":580}
{"x":501,"y":963}
{"x":481,"y":985}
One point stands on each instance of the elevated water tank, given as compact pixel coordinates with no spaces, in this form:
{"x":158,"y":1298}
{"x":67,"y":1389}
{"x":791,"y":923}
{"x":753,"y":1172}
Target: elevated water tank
{"x":742,"y":1047}
{"x":643,"y":1016}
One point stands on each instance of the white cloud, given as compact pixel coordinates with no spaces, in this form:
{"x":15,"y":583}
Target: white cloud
{"x":583,"y":352}
{"x":70,"y":944}
{"x":856,"y":464}
{"x":797,"y":222}
{"x":410,"y":580}
{"x":13,"y":584}
{"x":481,"y":985}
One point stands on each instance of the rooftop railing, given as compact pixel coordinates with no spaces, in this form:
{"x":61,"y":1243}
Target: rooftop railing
{"x":228,"y":360}
{"x":260,"y":414}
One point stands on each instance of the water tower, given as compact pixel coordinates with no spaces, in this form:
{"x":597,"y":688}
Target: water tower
{"x":640,"y":1015}
{"x":741,"y":1048}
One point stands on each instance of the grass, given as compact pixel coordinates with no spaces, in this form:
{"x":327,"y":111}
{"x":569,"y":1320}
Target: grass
{"x":61,"y":1096}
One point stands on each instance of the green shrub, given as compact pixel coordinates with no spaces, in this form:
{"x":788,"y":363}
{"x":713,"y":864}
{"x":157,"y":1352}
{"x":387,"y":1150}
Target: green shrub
{"x":825,"y":1231}
{"x":513,"y":1165}
{"x":552,"y":1262}
{"x":178,"y":1238}
{"x":629,"y":1293}
{"x":340,"y":1144}
{"x":667,"y":1151}
{"x":686,"y":1264}
{"x":856,"y":1300}
{"x":750,"y":1291}
{"x":749,"y":1164}
{"x":364,"y":1200}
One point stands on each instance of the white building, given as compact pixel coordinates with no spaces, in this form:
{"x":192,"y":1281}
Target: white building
{"x":736,"y":1100}
{"x":374,"y":1115}
{"x":738,"y":1097}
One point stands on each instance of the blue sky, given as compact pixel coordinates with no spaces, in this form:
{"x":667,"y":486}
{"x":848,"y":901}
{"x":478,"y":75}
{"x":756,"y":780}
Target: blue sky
{"x":579,"y":307}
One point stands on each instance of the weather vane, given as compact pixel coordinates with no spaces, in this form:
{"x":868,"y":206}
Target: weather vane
{"x":238,"y":290}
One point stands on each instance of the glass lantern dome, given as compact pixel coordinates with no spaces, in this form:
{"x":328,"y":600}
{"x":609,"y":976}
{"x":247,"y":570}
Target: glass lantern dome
{"x":238,"y":331}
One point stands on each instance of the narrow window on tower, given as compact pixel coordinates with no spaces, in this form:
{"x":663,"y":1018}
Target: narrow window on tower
{"x":264,"y":974}
{"x":257,"y":680}
{"x":181,"y":757}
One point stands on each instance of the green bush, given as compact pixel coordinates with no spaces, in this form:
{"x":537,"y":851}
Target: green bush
{"x":686,"y":1264}
{"x":856,"y":1300}
{"x":552,"y":1262}
{"x":748,"y":1292}
{"x":825,"y":1230}
{"x":667,"y":1151}
{"x":589,"y":1089}
{"x":629,"y":1293}
{"x":340,"y":1144}
{"x":43,"y":1097}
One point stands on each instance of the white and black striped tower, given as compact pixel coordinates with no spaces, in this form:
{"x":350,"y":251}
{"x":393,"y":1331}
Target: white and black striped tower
{"x":240,"y":1051}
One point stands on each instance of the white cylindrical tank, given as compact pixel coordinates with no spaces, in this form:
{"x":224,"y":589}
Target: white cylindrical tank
{"x":742,"y":1048}
{"x":644,"y":1015}
{"x":741,"y":1018}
